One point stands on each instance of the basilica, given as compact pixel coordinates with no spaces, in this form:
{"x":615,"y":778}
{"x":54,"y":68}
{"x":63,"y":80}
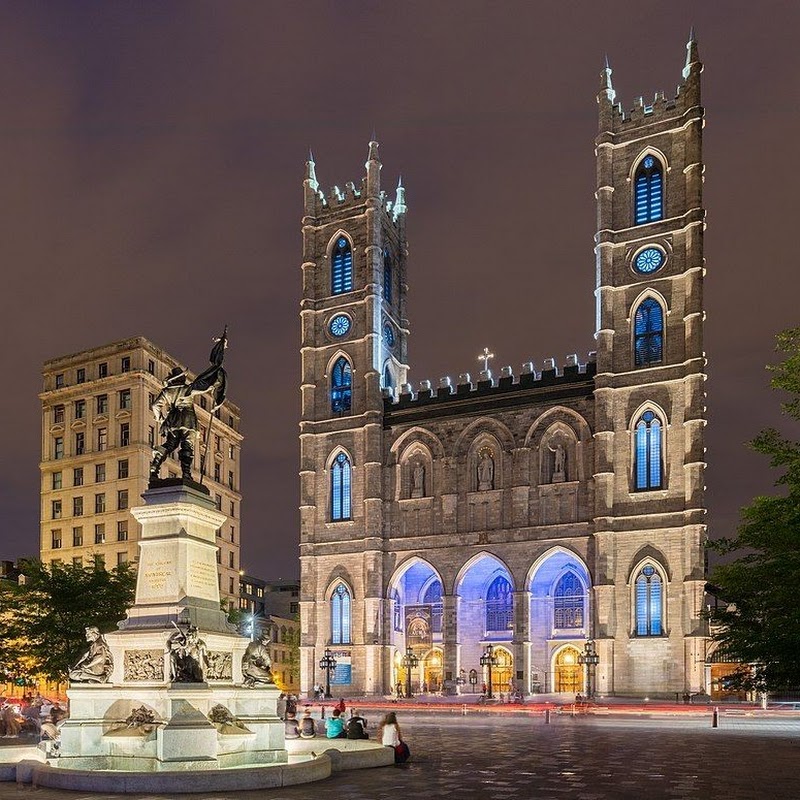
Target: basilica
{"x":512,"y":518}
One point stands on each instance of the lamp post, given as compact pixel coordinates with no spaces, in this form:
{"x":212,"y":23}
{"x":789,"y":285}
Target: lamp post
{"x":409,"y":662}
{"x":328,"y":664}
{"x":488,"y":659}
{"x":590,"y":659}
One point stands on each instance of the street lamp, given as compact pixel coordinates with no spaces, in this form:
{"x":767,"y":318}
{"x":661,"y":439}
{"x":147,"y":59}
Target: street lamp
{"x":489,"y":659}
{"x":327,"y":663}
{"x":409,"y":662}
{"x":590,"y":659}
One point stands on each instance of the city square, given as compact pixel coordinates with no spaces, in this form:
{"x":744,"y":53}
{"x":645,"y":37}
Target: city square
{"x":454,"y":457}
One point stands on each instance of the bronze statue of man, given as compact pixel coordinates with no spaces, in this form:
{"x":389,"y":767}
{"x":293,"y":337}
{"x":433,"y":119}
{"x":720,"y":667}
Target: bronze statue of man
{"x":96,"y":664}
{"x":174,"y":409}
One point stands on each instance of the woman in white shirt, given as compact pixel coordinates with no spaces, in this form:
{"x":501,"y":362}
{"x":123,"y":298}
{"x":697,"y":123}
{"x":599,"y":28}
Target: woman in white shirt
{"x":391,"y":737}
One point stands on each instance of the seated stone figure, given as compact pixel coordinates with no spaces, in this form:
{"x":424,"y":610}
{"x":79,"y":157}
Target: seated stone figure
{"x":257,"y":664}
{"x":96,"y":664}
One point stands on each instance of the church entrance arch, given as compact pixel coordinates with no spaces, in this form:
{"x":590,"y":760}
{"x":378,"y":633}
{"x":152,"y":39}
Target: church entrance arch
{"x":503,"y":671}
{"x":432,"y":666}
{"x":567,"y":671}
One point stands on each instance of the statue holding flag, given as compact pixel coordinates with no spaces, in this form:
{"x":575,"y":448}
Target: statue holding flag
{"x":174,"y":409}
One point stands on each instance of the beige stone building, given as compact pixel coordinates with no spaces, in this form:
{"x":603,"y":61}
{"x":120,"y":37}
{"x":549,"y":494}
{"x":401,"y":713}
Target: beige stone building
{"x":98,"y":433}
{"x":529,"y":512}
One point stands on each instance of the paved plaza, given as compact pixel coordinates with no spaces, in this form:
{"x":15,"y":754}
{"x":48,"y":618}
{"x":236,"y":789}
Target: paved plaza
{"x":587,"y":758}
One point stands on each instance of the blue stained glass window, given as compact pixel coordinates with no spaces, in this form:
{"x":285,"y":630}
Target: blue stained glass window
{"x":340,"y":488}
{"x":648,"y":468}
{"x":648,"y":333}
{"x":649,"y":260}
{"x":342,"y":267}
{"x":649,"y":199}
{"x":649,"y":606}
{"x":340,"y":615}
{"x":499,"y":605}
{"x":568,"y":602}
{"x":387,"y":276}
{"x":433,"y":595}
{"x":341,"y":386}
{"x":388,"y":379}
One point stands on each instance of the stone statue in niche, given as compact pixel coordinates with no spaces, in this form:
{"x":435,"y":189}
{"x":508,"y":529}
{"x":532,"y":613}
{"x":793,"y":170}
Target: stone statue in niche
{"x":559,"y":462}
{"x":485,"y":472}
{"x":96,"y":664}
{"x":188,"y":656}
{"x":418,"y":480}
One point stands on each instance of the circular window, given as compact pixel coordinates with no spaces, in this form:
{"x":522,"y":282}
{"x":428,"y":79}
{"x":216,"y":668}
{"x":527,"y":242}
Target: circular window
{"x":649,"y":260}
{"x":649,"y":162}
{"x":388,"y":335}
{"x":339,"y":325}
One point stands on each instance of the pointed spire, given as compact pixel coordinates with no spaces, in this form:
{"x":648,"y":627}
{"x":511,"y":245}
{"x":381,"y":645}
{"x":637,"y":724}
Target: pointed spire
{"x":373,"y":167}
{"x":692,"y":54}
{"x":311,"y":173}
{"x":606,"y":87}
{"x":373,"y":150}
{"x":399,"y":206}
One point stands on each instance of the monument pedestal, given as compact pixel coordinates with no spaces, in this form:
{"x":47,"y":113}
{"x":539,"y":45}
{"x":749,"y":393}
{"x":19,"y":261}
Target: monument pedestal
{"x":208,"y":725}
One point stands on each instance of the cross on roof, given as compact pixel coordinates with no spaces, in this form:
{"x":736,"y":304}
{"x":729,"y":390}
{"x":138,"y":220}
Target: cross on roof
{"x":485,"y":356}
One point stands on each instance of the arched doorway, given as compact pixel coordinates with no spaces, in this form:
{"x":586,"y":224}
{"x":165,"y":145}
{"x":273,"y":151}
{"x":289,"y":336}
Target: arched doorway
{"x":432,"y":671}
{"x":568,"y":673}
{"x":503,"y":671}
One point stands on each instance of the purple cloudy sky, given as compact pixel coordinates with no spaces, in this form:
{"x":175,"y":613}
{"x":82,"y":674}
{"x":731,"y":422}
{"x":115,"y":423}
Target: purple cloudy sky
{"x":151,"y":144}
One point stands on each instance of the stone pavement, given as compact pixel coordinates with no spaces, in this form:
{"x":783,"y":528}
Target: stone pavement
{"x":585,"y":758}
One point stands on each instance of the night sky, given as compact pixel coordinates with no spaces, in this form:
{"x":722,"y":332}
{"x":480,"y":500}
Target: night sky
{"x":152,"y":163}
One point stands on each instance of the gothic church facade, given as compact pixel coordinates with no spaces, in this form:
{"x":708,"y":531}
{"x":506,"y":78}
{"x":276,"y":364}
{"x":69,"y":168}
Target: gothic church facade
{"x":531,"y":512}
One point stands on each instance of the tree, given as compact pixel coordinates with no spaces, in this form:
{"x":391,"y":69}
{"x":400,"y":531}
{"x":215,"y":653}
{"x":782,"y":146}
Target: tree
{"x":43,"y":619}
{"x":759,"y":620}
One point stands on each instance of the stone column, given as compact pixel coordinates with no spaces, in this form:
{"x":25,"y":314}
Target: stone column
{"x":450,"y":634}
{"x":521,"y":640}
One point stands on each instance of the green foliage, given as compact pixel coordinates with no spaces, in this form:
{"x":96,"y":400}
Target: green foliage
{"x":42,"y":621}
{"x":761,"y":621}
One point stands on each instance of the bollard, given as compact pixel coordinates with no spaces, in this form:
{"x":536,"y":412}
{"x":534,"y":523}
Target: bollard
{"x":715,"y":718}
{"x":322,"y":712}
{"x":464,"y":710}
{"x":547,"y":716}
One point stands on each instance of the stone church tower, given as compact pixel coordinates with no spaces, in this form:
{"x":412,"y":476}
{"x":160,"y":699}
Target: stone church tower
{"x":524,"y":514}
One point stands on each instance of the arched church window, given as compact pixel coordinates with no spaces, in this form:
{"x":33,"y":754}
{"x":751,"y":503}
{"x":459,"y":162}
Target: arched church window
{"x":433,"y":595}
{"x":340,"y":615}
{"x":341,"y":386}
{"x":499,"y":605}
{"x":649,"y":602}
{"x":648,"y":333}
{"x":388,"y":378}
{"x":388,"y":275}
{"x":342,"y":266}
{"x":648,"y":468}
{"x":568,"y":602}
{"x":397,"y":611}
{"x":649,"y":182}
{"x":340,"y":488}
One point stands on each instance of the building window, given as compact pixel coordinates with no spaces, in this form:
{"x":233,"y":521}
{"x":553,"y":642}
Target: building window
{"x":122,"y":530}
{"x":102,"y":439}
{"x":342,"y":267}
{"x":80,"y":409}
{"x":100,"y":503}
{"x":568,"y":602}
{"x":124,"y":434}
{"x":649,"y":191}
{"x":125,"y":364}
{"x":230,"y":559}
{"x":231,"y":452}
{"x":219,"y":556}
{"x":77,"y":536}
{"x":102,"y":370}
{"x":58,"y":415}
{"x":55,"y":539}
{"x":122,"y":558}
{"x":233,"y":509}
{"x":58,"y":447}
{"x":340,"y":488}
{"x":55,"y":509}
{"x":217,"y":444}
{"x":102,"y":403}
{"x":125,"y":399}
{"x":99,"y":473}
{"x":648,"y":452}
{"x":60,"y":380}
{"x":649,"y":605}
{"x":233,"y":534}
{"x":56,"y":480}
{"x":151,"y":436}
{"x":341,"y":386}
{"x":216,"y":473}
{"x":340,"y":615}
{"x":100,"y":533}
{"x":499,"y":605}
{"x":80,"y":375}
{"x":433,"y":595}
{"x":387,"y":275}
{"x":122,"y":499}
{"x":80,"y":444}
{"x":230,"y":479}
{"x":77,"y":506}
{"x":151,"y":366}
{"x":230,"y":586}
{"x":77,"y":476}
{"x":648,"y":333}
{"x":218,"y":501}
{"x":122,"y":468}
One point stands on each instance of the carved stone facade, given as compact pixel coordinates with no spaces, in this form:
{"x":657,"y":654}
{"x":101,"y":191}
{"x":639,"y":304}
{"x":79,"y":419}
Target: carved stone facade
{"x":144,"y":665}
{"x":530,"y":512}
